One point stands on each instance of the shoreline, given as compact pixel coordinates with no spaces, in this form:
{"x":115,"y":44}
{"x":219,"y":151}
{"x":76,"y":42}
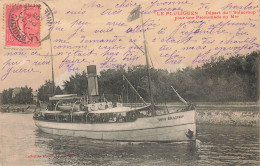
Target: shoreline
{"x":228,"y":117}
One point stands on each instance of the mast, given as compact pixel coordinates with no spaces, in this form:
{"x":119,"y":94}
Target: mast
{"x":182,"y":99}
{"x":148,"y":66}
{"x":49,"y":14}
{"x":52,"y":71}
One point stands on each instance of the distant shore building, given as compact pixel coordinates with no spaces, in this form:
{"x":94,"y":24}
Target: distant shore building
{"x":16,"y":91}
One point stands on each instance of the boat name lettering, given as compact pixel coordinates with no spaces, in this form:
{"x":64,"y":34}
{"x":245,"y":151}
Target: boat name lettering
{"x":171,"y":118}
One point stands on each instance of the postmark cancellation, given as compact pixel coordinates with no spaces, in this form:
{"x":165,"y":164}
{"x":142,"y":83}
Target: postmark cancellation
{"x":22,"y":25}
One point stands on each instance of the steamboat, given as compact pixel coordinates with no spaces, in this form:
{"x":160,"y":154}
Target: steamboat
{"x":94,"y":117}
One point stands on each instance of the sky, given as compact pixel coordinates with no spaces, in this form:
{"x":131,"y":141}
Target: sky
{"x":94,"y":32}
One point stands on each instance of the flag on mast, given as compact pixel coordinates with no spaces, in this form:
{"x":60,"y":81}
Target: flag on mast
{"x":134,"y":14}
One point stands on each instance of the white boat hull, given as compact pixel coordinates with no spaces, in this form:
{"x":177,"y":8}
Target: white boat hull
{"x":171,"y":127}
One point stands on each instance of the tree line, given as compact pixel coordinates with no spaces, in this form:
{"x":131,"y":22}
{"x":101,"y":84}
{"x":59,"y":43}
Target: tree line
{"x":21,"y":95}
{"x":232,"y":79}
{"x":221,"y":80}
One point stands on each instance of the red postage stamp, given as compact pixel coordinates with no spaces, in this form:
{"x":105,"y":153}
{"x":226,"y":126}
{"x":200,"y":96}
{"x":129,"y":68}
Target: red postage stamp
{"x":22,"y":26}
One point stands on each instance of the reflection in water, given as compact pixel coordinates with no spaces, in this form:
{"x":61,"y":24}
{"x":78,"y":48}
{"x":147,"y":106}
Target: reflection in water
{"x":219,"y":145}
{"x":226,"y":144}
{"x":94,"y":152}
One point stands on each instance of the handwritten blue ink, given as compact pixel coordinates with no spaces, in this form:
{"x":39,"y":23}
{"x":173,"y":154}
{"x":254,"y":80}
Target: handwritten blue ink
{"x":80,"y":12}
{"x":41,"y":63}
{"x":149,"y":24}
{"x":9,"y":62}
{"x":231,"y":6}
{"x":201,"y":58}
{"x":204,"y":6}
{"x":113,"y":40}
{"x":103,"y":30}
{"x":111,"y":12}
{"x":130,"y":55}
{"x":72,"y":67}
{"x":79,"y":22}
{"x":81,"y":53}
{"x":172,"y":58}
{"x":157,"y":3}
{"x":70,"y":47}
{"x":94,"y":4}
{"x":126,"y":4}
{"x":80,"y":27}
{"x":109,"y":53}
{"x":60,"y":41}
{"x":68,"y":61}
{"x":111,"y":63}
{"x":120,"y":24}
{"x":16,"y":53}
{"x":115,"y":47}
{"x":12,"y":70}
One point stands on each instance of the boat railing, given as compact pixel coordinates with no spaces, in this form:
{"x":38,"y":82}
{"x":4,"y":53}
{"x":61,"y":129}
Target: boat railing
{"x":57,"y":105}
{"x":72,"y":109}
{"x":111,"y":117}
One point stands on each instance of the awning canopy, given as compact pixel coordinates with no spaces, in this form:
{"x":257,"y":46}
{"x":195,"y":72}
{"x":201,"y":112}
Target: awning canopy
{"x":51,"y":112}
{"x":64,"y":97}
{"x":117,"y":110}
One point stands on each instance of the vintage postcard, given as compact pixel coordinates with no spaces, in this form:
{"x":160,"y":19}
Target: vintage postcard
{"x":128,"y":82}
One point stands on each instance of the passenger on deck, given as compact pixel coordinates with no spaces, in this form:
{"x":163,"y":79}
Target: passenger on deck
{"x":37,"y":105}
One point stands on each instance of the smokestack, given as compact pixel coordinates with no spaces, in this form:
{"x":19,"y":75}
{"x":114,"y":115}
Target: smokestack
{"x":92,"y":80}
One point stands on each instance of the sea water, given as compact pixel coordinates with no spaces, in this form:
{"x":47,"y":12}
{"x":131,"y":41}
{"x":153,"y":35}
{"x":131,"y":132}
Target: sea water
{"x":22,"y":143}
